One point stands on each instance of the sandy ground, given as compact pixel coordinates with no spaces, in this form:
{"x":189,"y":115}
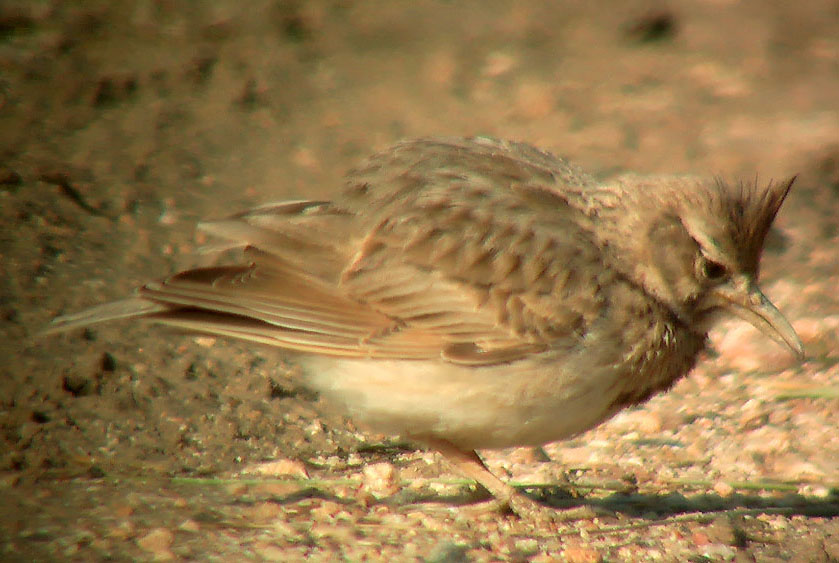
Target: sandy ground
{"x":124,"y":123}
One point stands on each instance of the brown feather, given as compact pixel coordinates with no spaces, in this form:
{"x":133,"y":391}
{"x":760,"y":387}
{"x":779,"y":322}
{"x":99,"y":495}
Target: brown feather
{"x":419,"y":258}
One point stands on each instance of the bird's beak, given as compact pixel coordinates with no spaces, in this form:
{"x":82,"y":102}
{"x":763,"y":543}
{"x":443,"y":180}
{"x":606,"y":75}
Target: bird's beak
{"x":744,"y":298}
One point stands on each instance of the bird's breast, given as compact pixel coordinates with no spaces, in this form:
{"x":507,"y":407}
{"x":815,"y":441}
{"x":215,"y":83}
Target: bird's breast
{"x":666,"y":353}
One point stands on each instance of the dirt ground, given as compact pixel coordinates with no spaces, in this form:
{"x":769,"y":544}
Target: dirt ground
{"x":124,"y":123}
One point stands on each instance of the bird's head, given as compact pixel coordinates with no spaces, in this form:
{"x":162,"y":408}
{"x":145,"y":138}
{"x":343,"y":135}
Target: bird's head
{"x":696,"y":245}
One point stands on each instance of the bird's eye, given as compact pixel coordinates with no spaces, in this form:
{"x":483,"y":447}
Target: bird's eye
{"x":713,"y":271}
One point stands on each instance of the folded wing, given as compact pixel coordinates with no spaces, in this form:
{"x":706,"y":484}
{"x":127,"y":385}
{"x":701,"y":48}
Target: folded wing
{"x":455,"y":268}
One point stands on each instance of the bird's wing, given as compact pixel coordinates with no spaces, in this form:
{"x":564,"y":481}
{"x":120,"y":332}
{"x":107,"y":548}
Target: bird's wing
{"x":421,"y":259}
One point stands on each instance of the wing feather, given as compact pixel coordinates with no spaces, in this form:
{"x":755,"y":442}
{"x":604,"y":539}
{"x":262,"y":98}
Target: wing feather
{"x":426,"y":255}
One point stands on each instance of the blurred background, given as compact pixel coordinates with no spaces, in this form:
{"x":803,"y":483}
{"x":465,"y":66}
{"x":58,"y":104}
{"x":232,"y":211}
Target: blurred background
{"x":124,"y":123}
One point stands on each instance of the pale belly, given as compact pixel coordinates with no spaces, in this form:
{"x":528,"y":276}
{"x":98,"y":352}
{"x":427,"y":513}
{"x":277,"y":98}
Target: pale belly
{"x":530,"y":402}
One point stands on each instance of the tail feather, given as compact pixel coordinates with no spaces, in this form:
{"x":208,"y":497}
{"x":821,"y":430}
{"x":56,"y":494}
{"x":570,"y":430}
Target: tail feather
{"x":133,"y":307}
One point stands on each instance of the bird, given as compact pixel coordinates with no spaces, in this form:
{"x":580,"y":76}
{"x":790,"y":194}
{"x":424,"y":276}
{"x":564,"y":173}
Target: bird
{"x":477,"y":293}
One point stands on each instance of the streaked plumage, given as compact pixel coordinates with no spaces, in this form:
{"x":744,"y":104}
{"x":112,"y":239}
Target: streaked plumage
{"x":476,"y":293}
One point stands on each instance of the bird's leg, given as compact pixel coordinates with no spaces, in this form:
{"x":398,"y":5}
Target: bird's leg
{"x":470,"y":465}
{"x":506,"y":499}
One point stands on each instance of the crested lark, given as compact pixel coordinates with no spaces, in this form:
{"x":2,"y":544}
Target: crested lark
{"x":476,"y":293}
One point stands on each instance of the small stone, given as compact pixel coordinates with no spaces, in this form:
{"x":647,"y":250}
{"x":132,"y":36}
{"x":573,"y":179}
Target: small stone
{"x":499,"y":63}
{"x":278,"y":468}
{"x":527,"y":546}
{"x":380,"y":479}
{"x":122,"y":530}
{"x":263,"y":512}
{"x":77,"y":385}
{"x":190,"y":525}
{"x":158,"y":543}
